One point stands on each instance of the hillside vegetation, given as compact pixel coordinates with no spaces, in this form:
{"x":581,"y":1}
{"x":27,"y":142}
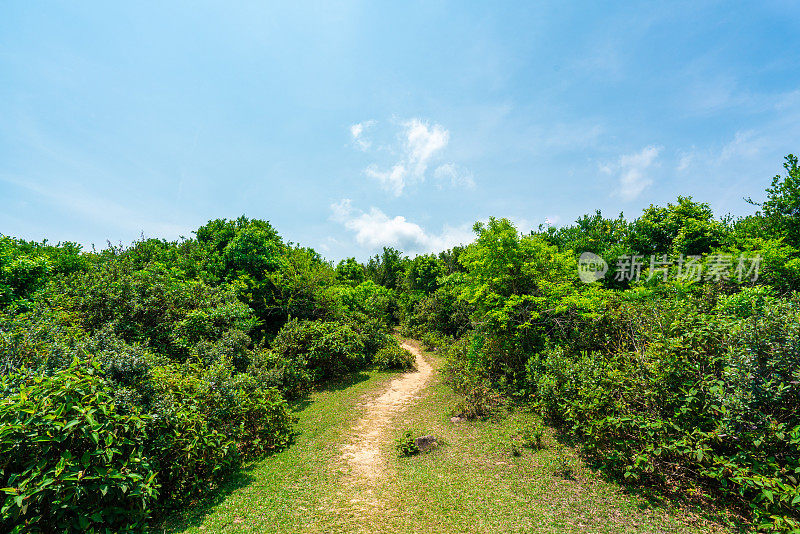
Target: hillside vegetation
{"x":137,"y":380}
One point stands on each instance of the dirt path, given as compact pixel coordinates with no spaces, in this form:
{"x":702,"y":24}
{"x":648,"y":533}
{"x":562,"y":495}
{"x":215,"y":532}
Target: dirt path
{"x":366,"y":449}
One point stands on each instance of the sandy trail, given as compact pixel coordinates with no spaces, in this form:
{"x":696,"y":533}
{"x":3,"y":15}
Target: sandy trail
{"x":369,"y":436}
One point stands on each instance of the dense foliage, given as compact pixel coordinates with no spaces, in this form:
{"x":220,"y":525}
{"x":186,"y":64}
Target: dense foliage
{"x":136,"y":379}
{"x":691,"y":383}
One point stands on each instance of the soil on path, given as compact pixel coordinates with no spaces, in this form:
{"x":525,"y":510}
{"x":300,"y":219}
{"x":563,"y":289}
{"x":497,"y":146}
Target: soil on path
{"x":366,"y":449}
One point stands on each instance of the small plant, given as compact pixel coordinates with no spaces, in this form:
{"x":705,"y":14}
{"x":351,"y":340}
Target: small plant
{"x":406,"y":445}
{"x":565,"y":467}
{"x":531,"y":436}
{"x":480,"y":401}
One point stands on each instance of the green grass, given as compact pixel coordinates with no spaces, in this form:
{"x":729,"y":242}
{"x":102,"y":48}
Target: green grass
{"x":291,"y":491}
{"x":470,"y":484}
{"x":473,"y":483}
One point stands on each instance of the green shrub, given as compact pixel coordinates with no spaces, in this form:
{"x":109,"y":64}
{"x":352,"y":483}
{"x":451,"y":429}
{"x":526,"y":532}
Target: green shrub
{"x":480,"y":400}
{"x":329,"y":348}
{"x":374,"y":333}
{"x":68,"y":460}
{"x":191,"y":457}
{"x":436,"y":341}
{"x":290,"y":376}
{"x":465,"y":372}
{"x":708,"y":398}
{"x":530,"y":436}
{"x":406,"y":445}
{"x":394,"y":357}
{"x":232,"y":404}
{"x":442,"y":312}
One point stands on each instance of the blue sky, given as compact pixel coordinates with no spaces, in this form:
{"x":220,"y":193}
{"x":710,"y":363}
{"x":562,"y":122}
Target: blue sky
{"x":363,"y":124}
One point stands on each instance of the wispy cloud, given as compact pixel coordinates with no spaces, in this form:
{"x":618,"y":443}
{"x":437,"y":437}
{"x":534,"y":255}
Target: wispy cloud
{"x":374,"y":229}
{"x":632,"y":170}
{"x":98,"y":210}
{"x":453,"y":175}
{"x":745,"y":145}
{"x":422,"y":142}
{"x":358,"y":131}
{"x":419,"y":144}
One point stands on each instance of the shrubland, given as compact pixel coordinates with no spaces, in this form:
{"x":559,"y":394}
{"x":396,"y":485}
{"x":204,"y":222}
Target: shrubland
{"x":137,"y":379}
{"x":690,"y":385}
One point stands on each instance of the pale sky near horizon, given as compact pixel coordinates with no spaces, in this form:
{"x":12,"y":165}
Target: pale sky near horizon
{"x":365,"y":124}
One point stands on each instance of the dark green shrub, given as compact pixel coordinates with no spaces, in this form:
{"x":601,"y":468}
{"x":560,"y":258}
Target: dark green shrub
{"x":373,"y":332}
{"x":290,"y":376}
{"x":257,"y":419}
{"x":191,"y":457}
{"x":707,"y":398}
{"x":442,"y":312}
{"x":436,"y":341}
{"x":329,"y":348}
{"x":394,"y":357}
{"x":68,"y":460}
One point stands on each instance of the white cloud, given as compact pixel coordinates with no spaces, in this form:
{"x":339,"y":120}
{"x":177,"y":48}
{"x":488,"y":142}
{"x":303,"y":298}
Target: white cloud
{"x":454,"y":176}
{"x":632,"y":170}
{"x":686,"y":160}
{"x":744,"y":145}
{"x":374,"y":229}
{"x":422,"y":143}
{"x":357,"y":131}
{"x":419,"y":144}
{"x":393,"y":180}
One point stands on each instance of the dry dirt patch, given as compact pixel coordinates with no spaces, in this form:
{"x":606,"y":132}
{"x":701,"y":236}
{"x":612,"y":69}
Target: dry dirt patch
{"x":366,"y":450}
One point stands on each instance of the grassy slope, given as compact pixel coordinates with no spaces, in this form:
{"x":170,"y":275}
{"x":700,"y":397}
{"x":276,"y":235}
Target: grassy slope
{"x":469,"y":484}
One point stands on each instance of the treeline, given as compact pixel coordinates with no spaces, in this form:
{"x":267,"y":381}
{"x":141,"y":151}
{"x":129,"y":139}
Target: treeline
{"x":136,"y":379}
{"x":679,"y":368}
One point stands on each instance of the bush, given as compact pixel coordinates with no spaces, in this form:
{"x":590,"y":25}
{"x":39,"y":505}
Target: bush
{"x":68,"y":460}
{"x":290,"y":376}
{"x":480,"y":400}
{"x":231,"y":404}
{"x":373,"y":332}
{"x":328,"y":348}
{"x":394,"y":357}
{"x":708,"y":398}
{"x":436,"y":341}
{"x":191,"y":457}
{"x":530,"y":436}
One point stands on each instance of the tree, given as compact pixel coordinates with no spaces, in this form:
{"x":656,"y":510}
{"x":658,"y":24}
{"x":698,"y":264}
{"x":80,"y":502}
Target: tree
{"x":687,"y":227}
{"x":350,"y":271}
{"x":387,"y":268}
{"x":422,"y":273}
{"x":782,"y":207}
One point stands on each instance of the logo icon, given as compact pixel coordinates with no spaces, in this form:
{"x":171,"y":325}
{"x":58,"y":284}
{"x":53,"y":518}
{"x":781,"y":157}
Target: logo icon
{"x":591,"y":267}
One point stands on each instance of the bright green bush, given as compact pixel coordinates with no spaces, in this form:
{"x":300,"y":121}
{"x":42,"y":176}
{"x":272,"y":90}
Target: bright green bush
{"x":69,"y":461}
{"x":394,"y":357}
